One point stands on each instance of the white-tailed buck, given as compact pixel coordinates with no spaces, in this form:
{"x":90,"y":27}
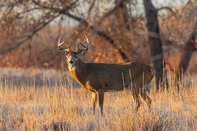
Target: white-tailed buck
{"x":100,"y":77}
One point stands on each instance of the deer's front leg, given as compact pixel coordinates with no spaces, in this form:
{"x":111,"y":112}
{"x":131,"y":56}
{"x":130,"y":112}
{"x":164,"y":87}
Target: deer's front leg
{"x":94,"y":100}
{"x":136,"y":97}
{"x":101,"y":99}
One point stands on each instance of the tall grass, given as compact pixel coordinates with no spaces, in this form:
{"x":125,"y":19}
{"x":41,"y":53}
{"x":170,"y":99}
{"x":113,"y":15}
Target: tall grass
{"x":60,"y":106}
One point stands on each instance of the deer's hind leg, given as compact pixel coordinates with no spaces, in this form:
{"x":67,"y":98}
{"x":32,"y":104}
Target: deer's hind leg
{"x":146,"y":98}
{"x":135,"y":94}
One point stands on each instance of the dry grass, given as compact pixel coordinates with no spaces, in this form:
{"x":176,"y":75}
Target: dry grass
{"x":60,"y":106}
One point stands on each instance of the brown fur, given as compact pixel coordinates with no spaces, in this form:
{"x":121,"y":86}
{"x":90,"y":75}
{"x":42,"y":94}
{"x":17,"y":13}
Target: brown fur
{"x":99,"y":78}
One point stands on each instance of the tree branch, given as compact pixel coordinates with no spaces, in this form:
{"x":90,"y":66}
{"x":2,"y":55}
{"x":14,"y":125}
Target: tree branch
{"x":90,"y":9}
{"x":57,"y":9}
{"x":166,"y":8}
{"x":111,"y":11}
{"x":100,"y":33}
{"x":38,"y":28}
{"x":28,"y":37}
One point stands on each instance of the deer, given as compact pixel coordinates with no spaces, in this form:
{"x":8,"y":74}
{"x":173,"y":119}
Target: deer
{"x":99,"y":78}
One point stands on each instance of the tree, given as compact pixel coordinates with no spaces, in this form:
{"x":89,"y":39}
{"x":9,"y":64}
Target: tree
{"x":47,"y":12}
{"x":155,"y":42}
{"x":117,"y":25}
{"x":186,"y":54}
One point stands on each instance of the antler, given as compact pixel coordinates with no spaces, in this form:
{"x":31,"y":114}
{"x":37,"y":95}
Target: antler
{"x":61,"y":43}
{"x":85,"y":46}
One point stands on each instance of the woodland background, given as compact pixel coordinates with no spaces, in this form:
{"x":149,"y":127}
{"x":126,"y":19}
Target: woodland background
{"x":38,"y":93}
{"x":159,"y":33}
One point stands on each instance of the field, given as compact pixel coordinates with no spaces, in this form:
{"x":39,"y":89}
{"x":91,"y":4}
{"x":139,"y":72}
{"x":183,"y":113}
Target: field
{"x":35,"y":99}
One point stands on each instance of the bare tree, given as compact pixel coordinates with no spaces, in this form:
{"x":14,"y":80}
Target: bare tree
{"x":186,"y":54}
{"x":115,"y":26}
{"x":45,"y":12}
{"x":155,"y":41}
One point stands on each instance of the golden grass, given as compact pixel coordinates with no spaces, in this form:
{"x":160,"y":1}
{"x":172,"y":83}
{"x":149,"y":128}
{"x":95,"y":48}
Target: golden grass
{"x":63,"y":107}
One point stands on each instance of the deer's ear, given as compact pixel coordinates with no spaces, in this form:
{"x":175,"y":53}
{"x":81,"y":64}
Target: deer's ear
{"x":66,"y":54}
{"x":82,"y":52}
{"x":66,"y":51}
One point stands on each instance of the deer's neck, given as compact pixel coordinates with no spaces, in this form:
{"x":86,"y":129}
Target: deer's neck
{"x":80,"y":72}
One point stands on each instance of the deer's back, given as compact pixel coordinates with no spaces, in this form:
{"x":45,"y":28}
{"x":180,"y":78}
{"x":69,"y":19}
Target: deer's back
{"x":117,"y":76}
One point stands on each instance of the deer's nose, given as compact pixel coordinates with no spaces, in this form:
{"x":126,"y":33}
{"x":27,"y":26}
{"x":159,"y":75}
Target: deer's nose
{"x":71,"y":61}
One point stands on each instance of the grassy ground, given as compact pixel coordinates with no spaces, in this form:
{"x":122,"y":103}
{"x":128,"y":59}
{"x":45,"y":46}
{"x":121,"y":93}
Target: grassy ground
{"x":57,"y":104}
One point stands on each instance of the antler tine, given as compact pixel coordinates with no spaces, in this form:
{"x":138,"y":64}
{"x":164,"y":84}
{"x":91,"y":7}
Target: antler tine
{"x":69,"y":45}
{"x":87,"y":40}
{"x":61,"y":43}
{"x":85,"y":46}
{"x":78,"y":47}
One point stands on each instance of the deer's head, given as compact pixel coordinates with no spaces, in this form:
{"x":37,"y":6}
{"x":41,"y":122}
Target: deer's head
{"x":73,"y":57}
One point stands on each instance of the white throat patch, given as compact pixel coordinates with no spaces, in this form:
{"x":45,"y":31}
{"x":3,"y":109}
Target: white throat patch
{"x":71,"y":68}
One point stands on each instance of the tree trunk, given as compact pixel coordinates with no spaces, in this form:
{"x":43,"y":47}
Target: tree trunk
{"x":155,"y":42}
{"x":122,"y":16}
{"x":186,"y":55}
